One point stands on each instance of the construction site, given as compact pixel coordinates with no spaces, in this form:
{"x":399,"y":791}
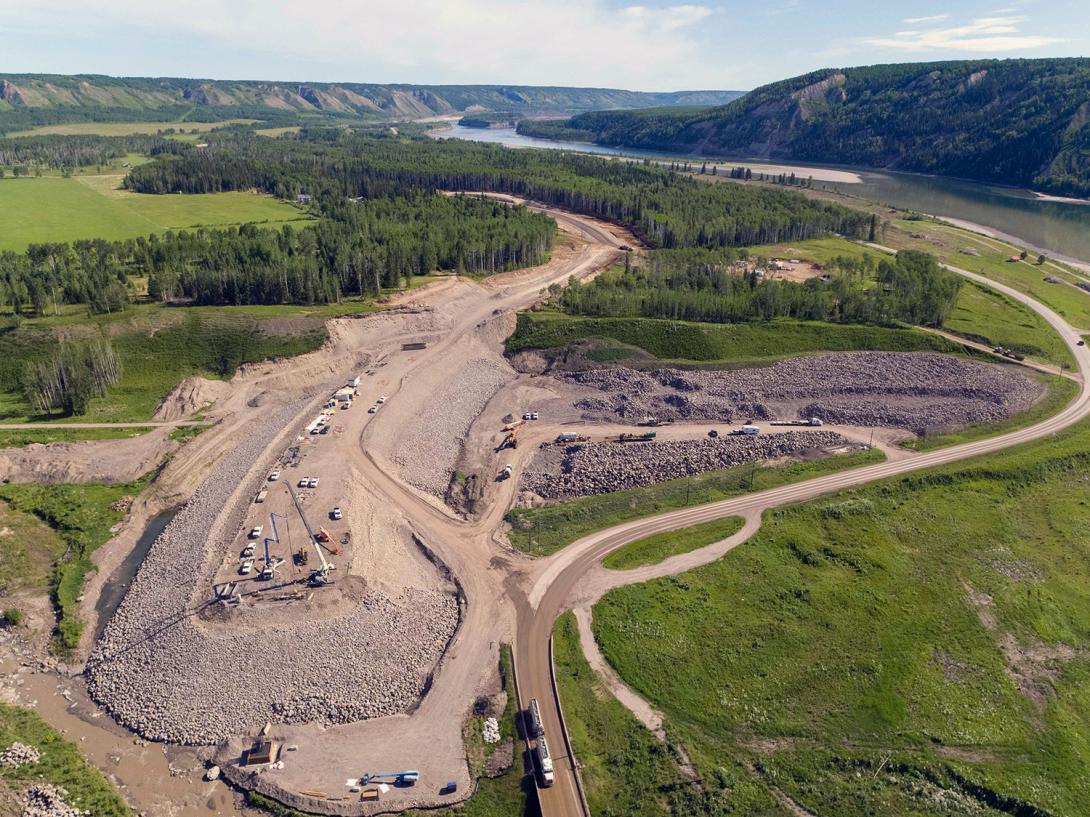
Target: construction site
{"x":320,"y":616}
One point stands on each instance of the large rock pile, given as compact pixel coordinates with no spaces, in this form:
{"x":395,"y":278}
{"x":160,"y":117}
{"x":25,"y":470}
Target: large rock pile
{"x":563,"y":472}
{"x":921,"y":392}
{"x":432,"y":444}
{"x":162,"y":675}
{"x":46,"y":800}
{"x":19,"y":754}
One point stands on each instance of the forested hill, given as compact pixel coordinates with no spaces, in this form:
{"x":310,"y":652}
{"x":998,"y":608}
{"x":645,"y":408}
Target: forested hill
{"x":37,"y":99}
{"x":1021,"y":122}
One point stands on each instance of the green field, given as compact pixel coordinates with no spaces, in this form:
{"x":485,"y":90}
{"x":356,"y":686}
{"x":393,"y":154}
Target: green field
{"x":626,"y":772}
{"x":61,"y":764}
{"x":126,"y":128}
{"x":732,"y":344}
{"x":916,"y":647}
{"x":946,"y":243}
{"x":655,"y":549}
{"x":54,"y":209}
{"x":82,"y":516}
{"x":990,"y":317}
{"x":548,"y":528}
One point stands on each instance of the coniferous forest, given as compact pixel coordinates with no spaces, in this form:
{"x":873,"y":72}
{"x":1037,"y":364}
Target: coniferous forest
{"x":382,"y":217}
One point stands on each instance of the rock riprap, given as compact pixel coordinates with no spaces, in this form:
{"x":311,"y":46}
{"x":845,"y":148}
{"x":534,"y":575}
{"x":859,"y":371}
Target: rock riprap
{"x":581,"y":469}
{"x":919,"y":391}
{"x":159,"y":672}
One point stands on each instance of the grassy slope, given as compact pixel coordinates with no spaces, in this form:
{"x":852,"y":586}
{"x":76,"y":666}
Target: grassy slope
{"x":158,"y":348}
{"x":19,"y":438}
{"x":850,"y":649}
{"x":82,"y":517}
{"x":29,"y":548}
{"x":61,"y":764}
{"x":544,"y":530}
{"x":992,"y":262}
{"x":655,"y":549}
{"x":52,"y":208}
{"x":724,"y":343}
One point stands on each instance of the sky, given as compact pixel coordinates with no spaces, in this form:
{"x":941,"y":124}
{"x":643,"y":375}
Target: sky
{"x":643,"y":45}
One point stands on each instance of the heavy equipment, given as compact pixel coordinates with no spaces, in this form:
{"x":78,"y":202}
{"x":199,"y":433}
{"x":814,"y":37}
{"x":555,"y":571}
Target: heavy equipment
{"x":320,"y":576}
{"x":271,"y":562}
{"x":397,"y":778}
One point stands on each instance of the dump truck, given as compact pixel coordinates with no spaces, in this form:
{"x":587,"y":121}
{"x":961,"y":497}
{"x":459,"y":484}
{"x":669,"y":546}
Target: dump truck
{"x":746,"y":431}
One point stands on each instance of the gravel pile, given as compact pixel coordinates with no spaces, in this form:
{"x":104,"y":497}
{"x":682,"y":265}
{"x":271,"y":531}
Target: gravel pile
{"x":160,"y":674}
{"x":19,"y":754}
{"x":432,"y":444}
{"x":45,"y":800}
{"x":563,"y":472}
{"x":917,"y":391}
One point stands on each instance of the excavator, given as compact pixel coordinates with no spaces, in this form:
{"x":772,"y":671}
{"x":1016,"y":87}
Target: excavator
{"x":511,"y":440}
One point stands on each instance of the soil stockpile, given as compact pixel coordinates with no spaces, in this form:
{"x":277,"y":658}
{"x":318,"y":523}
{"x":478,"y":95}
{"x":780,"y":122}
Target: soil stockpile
{"x":162,"y":675}
{"x":920,"y":392}
{"x":565,"y":472}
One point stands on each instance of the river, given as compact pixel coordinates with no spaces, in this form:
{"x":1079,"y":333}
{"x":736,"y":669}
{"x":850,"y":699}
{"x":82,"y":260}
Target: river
{"x":1060,"y":228}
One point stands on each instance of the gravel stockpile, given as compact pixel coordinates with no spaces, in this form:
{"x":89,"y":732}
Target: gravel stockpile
{"x":19,"y":754}
{"x":433,"y":442}
{"x":160,"y":674}
{"x":564,"y":472}
{"x":917,"y":391}
{"x":46,"y":800}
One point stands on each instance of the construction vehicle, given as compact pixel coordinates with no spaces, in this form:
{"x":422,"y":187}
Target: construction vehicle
{"x":654,"y":422}
{"x":271,"y":562}
{"x":513,"y":425}
{"x":810,"y":422}
{"x":647,"y":436}
{"x":397,"y":778}
{"x":532,"y":721}
{"x":506,"y":472}
{"x":544,"y":763}
{"x":511,"y":440}
{"x":572,"y":437}
{"x":319,"y":577}
{"x":746,"y":431}
{"x":326,"y":537}
{"x":264,"y":492}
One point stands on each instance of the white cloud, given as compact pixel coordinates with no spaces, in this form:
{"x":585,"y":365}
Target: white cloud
{"x":575,"y":42}
{"x":984,"y":34}
{"x":934,"y":18}
{"x":670,"y":18}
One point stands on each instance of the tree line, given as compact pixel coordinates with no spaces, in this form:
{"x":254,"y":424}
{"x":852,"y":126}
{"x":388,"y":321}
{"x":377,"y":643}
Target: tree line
{"x":360,"y":248}
{"x":727,"y":287}
{"x":662,"y":208}
{"x":71,"y":152}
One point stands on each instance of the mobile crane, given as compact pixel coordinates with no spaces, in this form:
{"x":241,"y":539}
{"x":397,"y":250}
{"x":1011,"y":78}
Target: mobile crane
{"x":319,"y":577}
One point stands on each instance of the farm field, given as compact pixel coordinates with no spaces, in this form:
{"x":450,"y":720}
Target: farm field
{"x":913,"y":647}
{"x":126,"y":128}
{"x":55,"y":209}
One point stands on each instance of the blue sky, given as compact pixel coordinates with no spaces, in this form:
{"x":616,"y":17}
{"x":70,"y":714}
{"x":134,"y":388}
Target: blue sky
{"x":643,"y":45}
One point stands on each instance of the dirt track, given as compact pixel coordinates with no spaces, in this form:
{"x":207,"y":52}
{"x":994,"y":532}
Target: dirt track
{"x":508,"y":596}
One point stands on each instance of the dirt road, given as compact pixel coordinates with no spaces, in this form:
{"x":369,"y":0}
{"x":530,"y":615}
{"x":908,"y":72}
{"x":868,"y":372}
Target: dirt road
{"x":575,"y":576}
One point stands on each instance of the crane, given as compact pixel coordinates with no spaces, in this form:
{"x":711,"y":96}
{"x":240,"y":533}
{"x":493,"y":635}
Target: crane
{"x":271,"y":562}
{"x":398,"y":778}
{"x":319,"y":577}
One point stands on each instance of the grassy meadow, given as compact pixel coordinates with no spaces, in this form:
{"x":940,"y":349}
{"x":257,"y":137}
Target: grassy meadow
{"x":914,"y":647}
{"x":729,"y":344}
{"x":53,"y":209}
{"x":61,"y":764}
{"x":662,"y":546}
{"x":82,"y":516}
{"x":127,"y":128}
